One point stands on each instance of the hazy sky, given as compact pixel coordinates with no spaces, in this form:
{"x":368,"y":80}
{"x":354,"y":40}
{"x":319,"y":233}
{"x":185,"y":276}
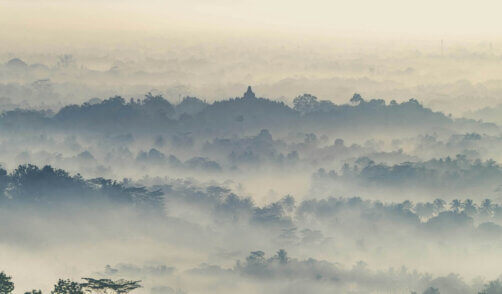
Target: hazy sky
{"x":320,"y":16}
{"x":217,"y":47}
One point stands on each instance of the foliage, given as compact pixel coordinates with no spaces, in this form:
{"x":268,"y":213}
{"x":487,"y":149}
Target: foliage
{"x":493,"y":287}
{"x":119,"y":286}
{"x":6,"y":284}
{"x":431,"y":290}
{"x":67,"y":287}
{"x":29,"y":183}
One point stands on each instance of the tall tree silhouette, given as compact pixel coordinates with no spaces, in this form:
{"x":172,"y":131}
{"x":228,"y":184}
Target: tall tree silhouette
{"x":6,"y":285}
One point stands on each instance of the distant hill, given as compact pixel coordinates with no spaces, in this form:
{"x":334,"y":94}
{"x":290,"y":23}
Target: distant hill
{"x":16,"y":63}
{"x":247,"y":114}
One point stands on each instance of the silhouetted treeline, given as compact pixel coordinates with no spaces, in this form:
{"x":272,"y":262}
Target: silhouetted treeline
{"x":47,"y":185}
{"x":71,"y":287}
{"x":218,"y":205}
{"x":443,"y":173}
{"x":281,"y":267}
{"x":242,"y":114}
{"x":315,"y":273}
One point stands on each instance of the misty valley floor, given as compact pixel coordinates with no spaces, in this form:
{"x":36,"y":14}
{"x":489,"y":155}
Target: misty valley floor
{"x":251,"y":195}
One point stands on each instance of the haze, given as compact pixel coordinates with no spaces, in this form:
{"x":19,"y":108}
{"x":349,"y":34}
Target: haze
{"x":250,"y":147}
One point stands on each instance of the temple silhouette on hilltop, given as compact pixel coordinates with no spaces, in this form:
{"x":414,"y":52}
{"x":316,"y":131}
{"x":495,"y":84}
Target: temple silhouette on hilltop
{"x":249,"y":94}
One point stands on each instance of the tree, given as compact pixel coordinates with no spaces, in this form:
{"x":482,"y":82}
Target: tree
{"x":431,"y":290}
{"x":6,"y":285}
{"x":493,"y":287}
{"x":306,"y":103}
{"x":33,"y":292}
{"x":456,"y":205}
{"x":67,"y":287}
{"x":487,"y":207}
{"x":282,"y":256}
{"x":256,"y":257}
{"x":66,"y":60}
{"x":119,"y":286}
{"x":470,"y":207}
{"x":356,"y":99}
{"x":157,"y":106}
{"x":438,"y":205}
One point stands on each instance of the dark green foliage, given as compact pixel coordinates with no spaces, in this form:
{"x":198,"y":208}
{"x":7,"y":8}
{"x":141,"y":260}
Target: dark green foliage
{"x":24,"y":119}
{"x":190,"y":106}
{"x":157,"y":107}
{"x":442,"y":173}
{"x":119,"y":286}
{"x":6,"y":285}
{"x":33,"y":292}
{"x":4,"y":181}
{"x":38,"y":184}
{"x":115,"y":113}
{"x":30,"y":184}
{"x":156,"y":114}
{"x":306,"y":103}
{"x":67,"y":287}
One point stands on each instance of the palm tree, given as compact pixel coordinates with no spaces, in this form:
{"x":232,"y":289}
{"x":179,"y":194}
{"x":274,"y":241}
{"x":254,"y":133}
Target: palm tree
{"x":438,"y":205}
{"x":487,"y":207}
{"x":470,"y":207}
{"x":456,"y":205}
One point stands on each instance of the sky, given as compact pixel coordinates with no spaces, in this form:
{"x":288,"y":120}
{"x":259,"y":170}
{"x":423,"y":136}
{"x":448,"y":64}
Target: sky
{"x":458,"y":18}
{"x":262,"y":43}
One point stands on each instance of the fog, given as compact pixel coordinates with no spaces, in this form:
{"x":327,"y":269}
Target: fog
{"x":332,"y":69}
{"x":250,"y":147}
